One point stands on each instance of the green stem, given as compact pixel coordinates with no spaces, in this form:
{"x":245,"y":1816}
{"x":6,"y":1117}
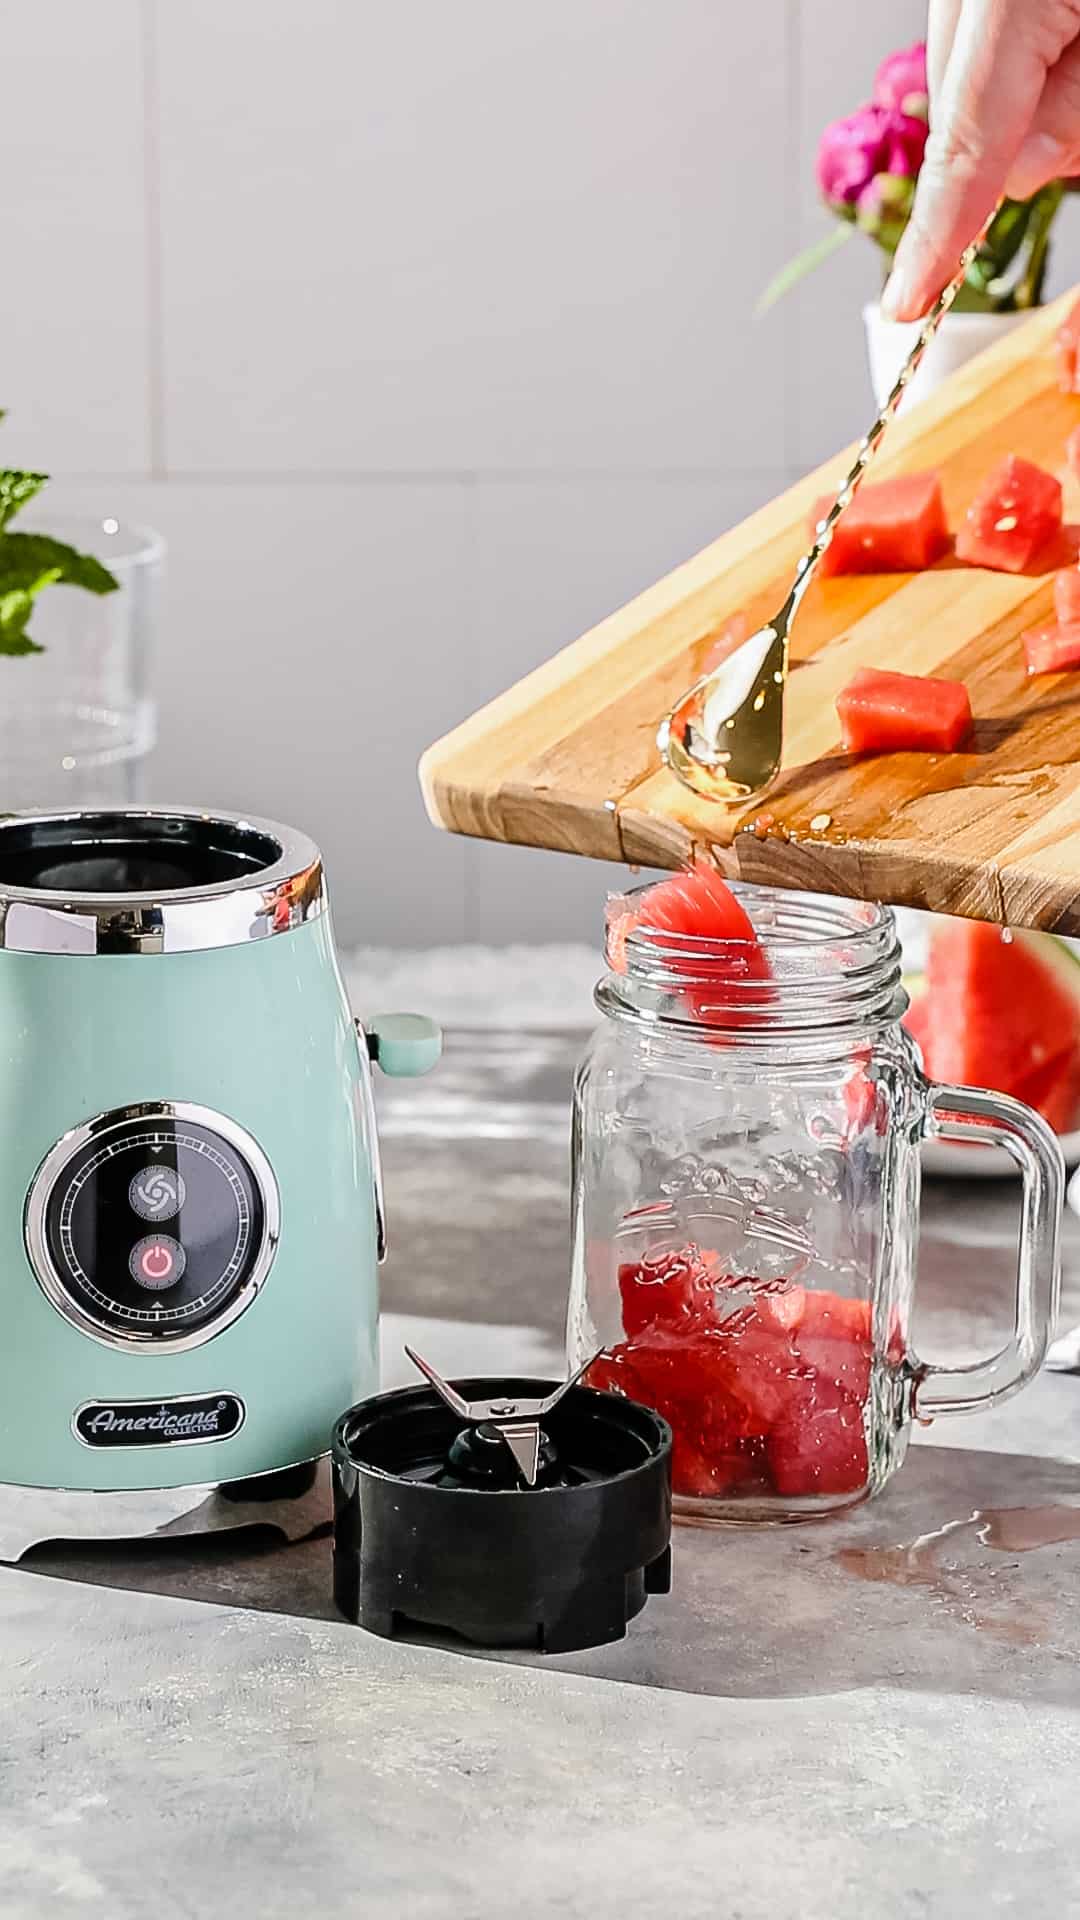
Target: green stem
{"x":803,"y":263}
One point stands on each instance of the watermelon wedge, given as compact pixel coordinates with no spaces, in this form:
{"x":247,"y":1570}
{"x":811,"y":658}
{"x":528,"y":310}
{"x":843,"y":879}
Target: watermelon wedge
{"x":701,"y":906}
{"x":1001,"y":1011}
{"x":1054,"y":1090}
{"x":1068,"y":351}
{"x":893,"y":526}
{"x":882,"y":712}
{"x":1015,"y":512}
{"x":1067,"y":595}
{"x":1053,"y":649}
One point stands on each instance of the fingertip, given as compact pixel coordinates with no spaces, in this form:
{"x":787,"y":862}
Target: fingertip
{"x":902,"y":298}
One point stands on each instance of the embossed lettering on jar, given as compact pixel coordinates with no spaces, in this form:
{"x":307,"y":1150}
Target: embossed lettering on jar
{"x":747,"y":1124}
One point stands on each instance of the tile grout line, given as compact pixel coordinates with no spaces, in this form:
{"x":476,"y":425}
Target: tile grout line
{"x":152,"y":220}
{"x":448,"y":477}
{"x":793,"y":161}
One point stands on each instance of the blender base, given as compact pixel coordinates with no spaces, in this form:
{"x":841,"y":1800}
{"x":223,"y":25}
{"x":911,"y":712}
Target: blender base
{"x":293,"y":1500}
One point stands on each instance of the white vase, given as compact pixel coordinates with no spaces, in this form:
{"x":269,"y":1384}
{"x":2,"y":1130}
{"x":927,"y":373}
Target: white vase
{"x":958,"y":339}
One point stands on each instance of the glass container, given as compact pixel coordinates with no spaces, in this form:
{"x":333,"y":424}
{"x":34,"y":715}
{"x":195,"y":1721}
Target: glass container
{"x":78,"y":721}
{"x":747,"y":1126}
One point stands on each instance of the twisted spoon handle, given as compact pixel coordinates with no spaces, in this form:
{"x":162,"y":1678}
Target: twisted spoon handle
{"x":870,"y":442}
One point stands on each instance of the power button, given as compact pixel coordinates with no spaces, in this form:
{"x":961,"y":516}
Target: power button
{"x":157,"y":1262}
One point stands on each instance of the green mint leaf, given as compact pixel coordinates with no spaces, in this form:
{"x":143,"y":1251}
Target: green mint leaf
{"x":27,"y":558}
{"x":15,"y":610}
{"x":16,"y":489}
{"x":16,"y":644}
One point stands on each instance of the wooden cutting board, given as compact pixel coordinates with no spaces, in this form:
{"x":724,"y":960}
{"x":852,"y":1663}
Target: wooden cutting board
{"x":567,"y":758}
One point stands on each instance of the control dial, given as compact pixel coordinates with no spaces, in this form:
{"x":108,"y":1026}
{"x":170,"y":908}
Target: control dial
{"x":153,"y":1225}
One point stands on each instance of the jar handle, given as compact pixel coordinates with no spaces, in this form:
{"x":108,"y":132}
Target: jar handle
{"x":973,"y":1113}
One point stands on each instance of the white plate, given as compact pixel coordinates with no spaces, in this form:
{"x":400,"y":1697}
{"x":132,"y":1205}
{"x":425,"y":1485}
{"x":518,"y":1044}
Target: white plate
{"x":955,"y":1160}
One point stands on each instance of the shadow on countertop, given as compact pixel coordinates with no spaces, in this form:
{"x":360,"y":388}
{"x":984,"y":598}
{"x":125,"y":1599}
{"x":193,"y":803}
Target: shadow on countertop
{"x":908,"y":1592}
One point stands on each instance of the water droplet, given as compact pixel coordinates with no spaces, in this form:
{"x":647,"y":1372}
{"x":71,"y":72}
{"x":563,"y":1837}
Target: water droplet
{"x":779,"y":678}
{"x":759,"y":701}
{"x":1007,"y":936}
{"x":820,"y":821}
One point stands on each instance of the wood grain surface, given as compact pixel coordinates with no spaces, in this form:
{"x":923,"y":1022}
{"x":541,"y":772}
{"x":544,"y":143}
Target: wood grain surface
{"x":567,"y":758}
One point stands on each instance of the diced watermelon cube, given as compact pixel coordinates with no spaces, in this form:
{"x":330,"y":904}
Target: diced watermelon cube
{"x":820,"y":1449}
{"x":1068,"y":351}
{"x":1015,"y":512}
{"x":1067,"y":595}
{"x":892,"y":712}
{"x":671,"y":1288}
{"x":1054,"y":648}
{"x":762,"y":1382}
{"x":893,"y":526}
{"x":763,"y":1374}
{"x":865,"y":1106}
{"x":832,"y":1336}
{"x":1072,"y":452}
{"x":835,"y":1316}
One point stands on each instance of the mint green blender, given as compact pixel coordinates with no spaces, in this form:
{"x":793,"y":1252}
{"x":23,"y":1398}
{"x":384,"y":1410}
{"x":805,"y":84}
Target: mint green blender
{"x":189,"y":1246}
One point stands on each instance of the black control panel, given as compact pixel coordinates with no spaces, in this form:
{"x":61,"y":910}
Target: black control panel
{"x":153,"y":1225}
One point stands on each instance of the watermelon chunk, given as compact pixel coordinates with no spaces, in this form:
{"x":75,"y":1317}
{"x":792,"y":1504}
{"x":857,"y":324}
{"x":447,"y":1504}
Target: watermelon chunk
{"x":671,"y":1288}
{"x":1068,"y":351}
{"x":1054,"y":1091}
{"x":820,"y":1449}
{"x":882,"y":712}
{"x":763,"y":1383}
{"x":1067,"y":595}
{"x":893,"y":526}
{"x":1015,"y":512}
{"x":696,"y":903}
{"x":1053,"y":649}
{"x":997,"y":1009}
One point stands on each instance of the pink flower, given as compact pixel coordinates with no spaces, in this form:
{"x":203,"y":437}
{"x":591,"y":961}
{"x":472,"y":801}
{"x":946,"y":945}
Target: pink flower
{"x":905,"y":142}
{"x":900,"y":82}
{"x":874,"y":140}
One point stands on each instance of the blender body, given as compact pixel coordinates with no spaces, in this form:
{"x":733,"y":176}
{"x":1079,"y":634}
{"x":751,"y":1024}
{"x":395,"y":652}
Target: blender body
{"x":190,"y":1226}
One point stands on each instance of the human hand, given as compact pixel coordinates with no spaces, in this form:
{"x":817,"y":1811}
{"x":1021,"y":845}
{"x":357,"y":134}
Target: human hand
{"x":1004,"y":81}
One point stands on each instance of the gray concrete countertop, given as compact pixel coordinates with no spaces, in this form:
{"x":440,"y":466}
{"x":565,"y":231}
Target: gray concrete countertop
{"x":879,"y":1715}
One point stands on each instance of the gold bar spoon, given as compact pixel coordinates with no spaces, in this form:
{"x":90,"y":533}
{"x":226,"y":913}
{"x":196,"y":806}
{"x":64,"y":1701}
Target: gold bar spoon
{"x":724,"y":736}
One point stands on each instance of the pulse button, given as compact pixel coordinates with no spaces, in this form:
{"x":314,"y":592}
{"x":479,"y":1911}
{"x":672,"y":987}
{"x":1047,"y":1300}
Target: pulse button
{"x":157,"y":1262}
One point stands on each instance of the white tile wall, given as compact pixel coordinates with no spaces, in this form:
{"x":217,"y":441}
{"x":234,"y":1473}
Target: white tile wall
{"x":428,"y":236}
{"x":75,"y":335}
{"x":425,"y":334}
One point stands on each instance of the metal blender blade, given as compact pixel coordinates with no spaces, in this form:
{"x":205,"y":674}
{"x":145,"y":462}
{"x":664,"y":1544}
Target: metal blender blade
{"x":724,"y":737}
{"x":518,"y":1421}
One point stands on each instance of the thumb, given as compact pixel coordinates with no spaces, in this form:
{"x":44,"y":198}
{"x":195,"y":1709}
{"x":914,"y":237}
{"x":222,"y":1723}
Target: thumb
{"x":993,"y":83}
{"x":1051,"y":149}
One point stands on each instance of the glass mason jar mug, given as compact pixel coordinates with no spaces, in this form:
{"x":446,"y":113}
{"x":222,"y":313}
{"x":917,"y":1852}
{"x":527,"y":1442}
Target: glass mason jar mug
{"x":747,"y":1124}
